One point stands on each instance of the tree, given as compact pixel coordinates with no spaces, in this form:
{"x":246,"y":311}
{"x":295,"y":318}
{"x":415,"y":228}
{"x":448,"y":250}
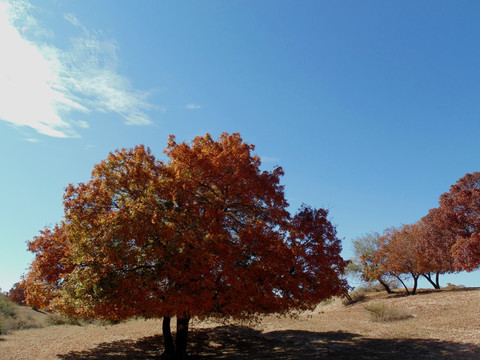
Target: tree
{"x":459,"y":212}
{"x":44,"y":279}
{"x":17,"y":293}
{"x":435,"y":242}
{"x":400,"y":254}
{"x":364,"y":249}
{"x":205,"y":234}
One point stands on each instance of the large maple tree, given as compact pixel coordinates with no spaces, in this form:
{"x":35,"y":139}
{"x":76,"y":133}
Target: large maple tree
{"x":204,"y":234}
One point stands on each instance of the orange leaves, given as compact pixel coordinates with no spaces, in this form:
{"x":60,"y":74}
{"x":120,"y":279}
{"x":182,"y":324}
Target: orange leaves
{"x":204,"y":234}
{"x":399,"y":249}
{"x":317,"y":262}
{"x":466,"y":251}
{"x":460,"y":214}
{"x":17,"y":293}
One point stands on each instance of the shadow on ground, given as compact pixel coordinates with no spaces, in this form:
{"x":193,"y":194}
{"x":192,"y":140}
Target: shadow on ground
{"x":242,"y":343}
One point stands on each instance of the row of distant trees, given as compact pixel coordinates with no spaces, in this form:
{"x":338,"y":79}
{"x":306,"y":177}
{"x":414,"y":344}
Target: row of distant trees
{"x":446,"y":240}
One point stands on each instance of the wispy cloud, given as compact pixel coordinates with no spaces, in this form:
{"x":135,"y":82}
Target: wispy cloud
{"x":32,"y":140}
{"x":193,"y":106}
{"x":44,"y":87}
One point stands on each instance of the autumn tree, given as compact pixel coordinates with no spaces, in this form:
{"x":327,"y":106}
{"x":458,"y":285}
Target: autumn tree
{"x":435,"y":242}
{"x":17,"y":293}
{"x":400,"y":254}
{"x":459,"y":214}
{"x":204,"y":234}
{"x":364,"y":249}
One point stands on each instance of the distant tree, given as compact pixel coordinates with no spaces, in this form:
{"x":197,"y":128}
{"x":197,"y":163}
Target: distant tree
{"x":206,"y":234}
{"x":435,"y":243}
{"x":17,"y":293}
{"x":364,"y":263}
{"x":400,"y":254}
{"x":459,"y":213}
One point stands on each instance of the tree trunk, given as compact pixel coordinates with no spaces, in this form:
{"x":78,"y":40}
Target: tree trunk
{"x":429,"y":278}
{"x":181,"y":339}
{"x":437,"y":280}
{"x":415,"y":283}
{"x":347,"y":296}
{"x":405,"y":286}
{"x":385,"y":285}
{"x":169,"y":351}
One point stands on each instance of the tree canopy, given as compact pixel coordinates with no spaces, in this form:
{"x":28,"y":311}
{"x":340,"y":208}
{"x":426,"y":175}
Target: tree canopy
{"x":206,"y":233}
{"x":460,"y":215}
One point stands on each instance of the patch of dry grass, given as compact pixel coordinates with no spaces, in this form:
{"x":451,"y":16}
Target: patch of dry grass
{"x":382,"y":312}
{"x":14,"y":317}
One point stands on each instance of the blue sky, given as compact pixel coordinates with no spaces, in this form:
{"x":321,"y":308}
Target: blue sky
{"x":370,"y":107}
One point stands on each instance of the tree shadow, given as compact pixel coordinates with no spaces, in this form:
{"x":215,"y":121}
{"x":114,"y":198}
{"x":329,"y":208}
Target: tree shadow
{"x":242,"y":343}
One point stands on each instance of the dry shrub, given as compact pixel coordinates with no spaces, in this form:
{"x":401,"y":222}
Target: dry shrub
{"x":7,"y":308}
{"x":381,"y":312}
{"x":12,"y":324}
{"x":8,"y":314}
{"x":454,"y":287}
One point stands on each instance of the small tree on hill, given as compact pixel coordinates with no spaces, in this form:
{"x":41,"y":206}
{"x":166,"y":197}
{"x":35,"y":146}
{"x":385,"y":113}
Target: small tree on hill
{"x":435,"y":242}
{"x":399,"y":255}
{"x":364,"y":249}
{"x":205,"y":234}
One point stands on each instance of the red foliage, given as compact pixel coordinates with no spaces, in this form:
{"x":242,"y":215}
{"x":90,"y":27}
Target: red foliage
{"x":436,"y":241}
{"x":17,"y":294}
{"x":399,"y":248}
{"x":205,"y":234}
{"x":459,"y":214}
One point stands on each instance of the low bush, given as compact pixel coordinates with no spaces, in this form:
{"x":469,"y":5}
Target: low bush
{"x":12,"y":324}
{"x":454,"y":287}
{"x":7,"y":308}
{"x":381,"y":312}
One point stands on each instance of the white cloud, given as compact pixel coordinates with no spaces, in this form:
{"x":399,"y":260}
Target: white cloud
{"x":72,"y":19}
{"x":32,"y":140}
{"x":193,"y":106}
{"x":43,"y":86}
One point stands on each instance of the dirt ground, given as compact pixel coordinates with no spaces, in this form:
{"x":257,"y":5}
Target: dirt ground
{"x":442,"y":325}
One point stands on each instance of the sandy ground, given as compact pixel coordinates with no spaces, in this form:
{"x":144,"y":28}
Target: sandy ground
{"x":443,"y":325}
